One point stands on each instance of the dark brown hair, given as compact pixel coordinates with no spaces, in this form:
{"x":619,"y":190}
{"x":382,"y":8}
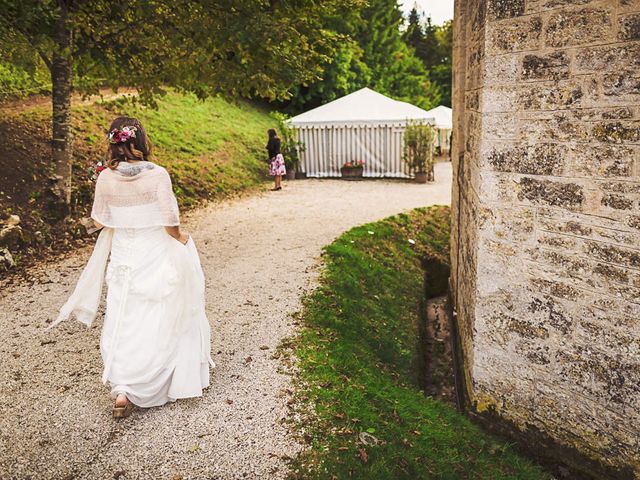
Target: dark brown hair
{"x":138,"y":148}
{"x":272,"y":133}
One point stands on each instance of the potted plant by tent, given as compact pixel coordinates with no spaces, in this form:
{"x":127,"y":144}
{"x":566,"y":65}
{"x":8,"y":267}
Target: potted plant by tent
{"x":418,"y":150}
{"x":352,"y":170}
{"x":289,"y":144}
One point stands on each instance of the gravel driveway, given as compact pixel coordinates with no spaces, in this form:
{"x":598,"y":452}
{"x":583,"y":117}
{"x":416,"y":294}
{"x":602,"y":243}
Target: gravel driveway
{"x":259,"y":255}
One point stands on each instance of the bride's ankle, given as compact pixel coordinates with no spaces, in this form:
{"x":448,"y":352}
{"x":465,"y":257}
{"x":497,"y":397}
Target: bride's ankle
{"x":121,"y":400}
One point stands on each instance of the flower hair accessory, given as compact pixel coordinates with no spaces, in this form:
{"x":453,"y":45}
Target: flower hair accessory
{"x":95,"y":170}
{"x":122,"y":135}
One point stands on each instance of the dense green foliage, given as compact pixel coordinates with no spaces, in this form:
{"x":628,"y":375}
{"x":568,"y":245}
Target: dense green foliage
{"x":372,"y":54}
{"x":22,"y":72}
{"x":18,"y":82}
{"x":238,"y":48}
{"x":433,"y":45}
{"x":358,"y":354}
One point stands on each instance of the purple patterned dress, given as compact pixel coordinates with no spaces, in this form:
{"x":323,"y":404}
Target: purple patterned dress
{"x":276,"y":166}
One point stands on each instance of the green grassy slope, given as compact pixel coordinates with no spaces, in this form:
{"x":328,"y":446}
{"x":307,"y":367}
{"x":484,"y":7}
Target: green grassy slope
{"x":212,"y":149}
{"x":358,"y":362}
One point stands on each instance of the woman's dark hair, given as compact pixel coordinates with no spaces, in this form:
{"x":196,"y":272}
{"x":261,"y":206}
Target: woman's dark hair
{"x":272,"y":133}
{"x":136,"y":148}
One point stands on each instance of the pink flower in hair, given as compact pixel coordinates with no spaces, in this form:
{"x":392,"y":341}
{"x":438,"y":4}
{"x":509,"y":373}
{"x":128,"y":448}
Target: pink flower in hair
{"x":123,"y":135}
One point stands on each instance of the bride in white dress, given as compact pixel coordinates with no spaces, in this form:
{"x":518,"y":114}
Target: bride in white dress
{"x":155,"y":341}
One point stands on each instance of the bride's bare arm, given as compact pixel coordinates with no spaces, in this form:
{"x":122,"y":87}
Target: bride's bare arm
{"x":177,"y":234}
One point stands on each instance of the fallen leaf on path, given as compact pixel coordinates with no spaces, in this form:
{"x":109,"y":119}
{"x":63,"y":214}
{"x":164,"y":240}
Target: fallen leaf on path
{"x":194,"y":449}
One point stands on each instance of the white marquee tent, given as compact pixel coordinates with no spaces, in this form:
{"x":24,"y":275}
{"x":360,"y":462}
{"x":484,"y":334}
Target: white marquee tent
{"x":364,"y":125}
{"x":443,"y":124}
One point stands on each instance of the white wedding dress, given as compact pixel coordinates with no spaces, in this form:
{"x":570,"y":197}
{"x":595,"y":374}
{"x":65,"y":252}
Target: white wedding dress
{"x":156,"y":338}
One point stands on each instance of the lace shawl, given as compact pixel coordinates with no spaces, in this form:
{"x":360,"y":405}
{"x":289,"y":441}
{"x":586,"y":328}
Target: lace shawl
{"x":135,"y":196}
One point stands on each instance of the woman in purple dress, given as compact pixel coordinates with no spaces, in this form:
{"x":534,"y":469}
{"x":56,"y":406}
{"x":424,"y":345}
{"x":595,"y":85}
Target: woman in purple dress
{"x":276,"y":160}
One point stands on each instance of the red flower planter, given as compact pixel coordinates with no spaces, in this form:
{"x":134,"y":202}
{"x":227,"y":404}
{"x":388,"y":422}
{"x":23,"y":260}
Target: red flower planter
{"x":352,"y":173}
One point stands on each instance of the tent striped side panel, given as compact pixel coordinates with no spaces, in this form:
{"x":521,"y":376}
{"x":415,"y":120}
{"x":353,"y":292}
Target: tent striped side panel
{"x":328,"y":147}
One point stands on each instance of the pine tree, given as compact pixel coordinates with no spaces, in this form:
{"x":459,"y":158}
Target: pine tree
{"x":414,"y":34}
{"x":395,"y":70}
{"x":372,"y":54}
{"x":432,"y":44}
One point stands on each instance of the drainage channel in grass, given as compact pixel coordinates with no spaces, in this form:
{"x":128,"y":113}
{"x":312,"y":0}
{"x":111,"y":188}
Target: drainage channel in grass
{"x":360,"y":406}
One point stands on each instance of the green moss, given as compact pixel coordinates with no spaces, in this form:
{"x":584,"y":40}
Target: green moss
{"x":358,"y":358}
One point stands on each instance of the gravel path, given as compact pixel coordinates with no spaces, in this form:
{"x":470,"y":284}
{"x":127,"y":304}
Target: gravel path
{"x":259,"y":255}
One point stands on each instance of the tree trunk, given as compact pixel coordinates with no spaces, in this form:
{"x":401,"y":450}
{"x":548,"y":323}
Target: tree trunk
{"x":61,"y":87}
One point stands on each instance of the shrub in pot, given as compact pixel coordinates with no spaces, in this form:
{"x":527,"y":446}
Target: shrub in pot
{"x":418,"y":150}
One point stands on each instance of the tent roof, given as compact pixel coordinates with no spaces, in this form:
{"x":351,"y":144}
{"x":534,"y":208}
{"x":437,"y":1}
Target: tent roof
{"x":363,"y":106}
{"x":443,"y":117}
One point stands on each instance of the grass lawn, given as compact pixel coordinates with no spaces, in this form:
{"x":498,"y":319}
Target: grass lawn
{"x":212,"y":148}
{"x":357,"y":362}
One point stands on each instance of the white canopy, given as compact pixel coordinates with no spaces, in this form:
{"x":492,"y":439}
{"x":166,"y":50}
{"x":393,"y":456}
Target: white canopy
{"x":442,"y":116}
{"x":363,"y":106}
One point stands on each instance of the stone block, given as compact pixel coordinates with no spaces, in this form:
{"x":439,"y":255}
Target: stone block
{"x":500,"y":9}
{"x":472,"y":100}
{"x":551,"y":223}
{"x":499,"y":99}
{"x":554,"y":96}
{"x":633,"y":221}
{"x":499,"y":126}
{"x":620,"y":187}
{"x":629,"y":5}
{"x":610,"y":58}
{"x":629,"y":27}
{"x":547,"y":192}
{"x":617,"y":132}
{"x":500,"y":69}
{"x":536,"y":159}
{"x":625,"y":83}
{"x":564,"y":226}
{"x":556,"y":289}
{"x":537,"y":6}
{"x":561,"y":127}
{"x":578,"y":27}
{"x":519,"y":34}
{"x":611,"y":273}
{"x":552,"y":66}
{"x":513,"y":224}
{"x":620,"y":113}
{"x":613,"y":376}
{"x":552,"y":312}
{"x":565,"y":242}
{"x":617,"y":201}
{"x":602,"y":160}
{"x":625,"y":257}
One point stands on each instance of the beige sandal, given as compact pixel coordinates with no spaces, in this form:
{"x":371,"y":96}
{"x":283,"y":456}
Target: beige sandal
{"x":124,"y":411}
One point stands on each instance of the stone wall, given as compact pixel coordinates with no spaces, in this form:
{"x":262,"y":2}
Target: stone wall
{"x":546,"y":256}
